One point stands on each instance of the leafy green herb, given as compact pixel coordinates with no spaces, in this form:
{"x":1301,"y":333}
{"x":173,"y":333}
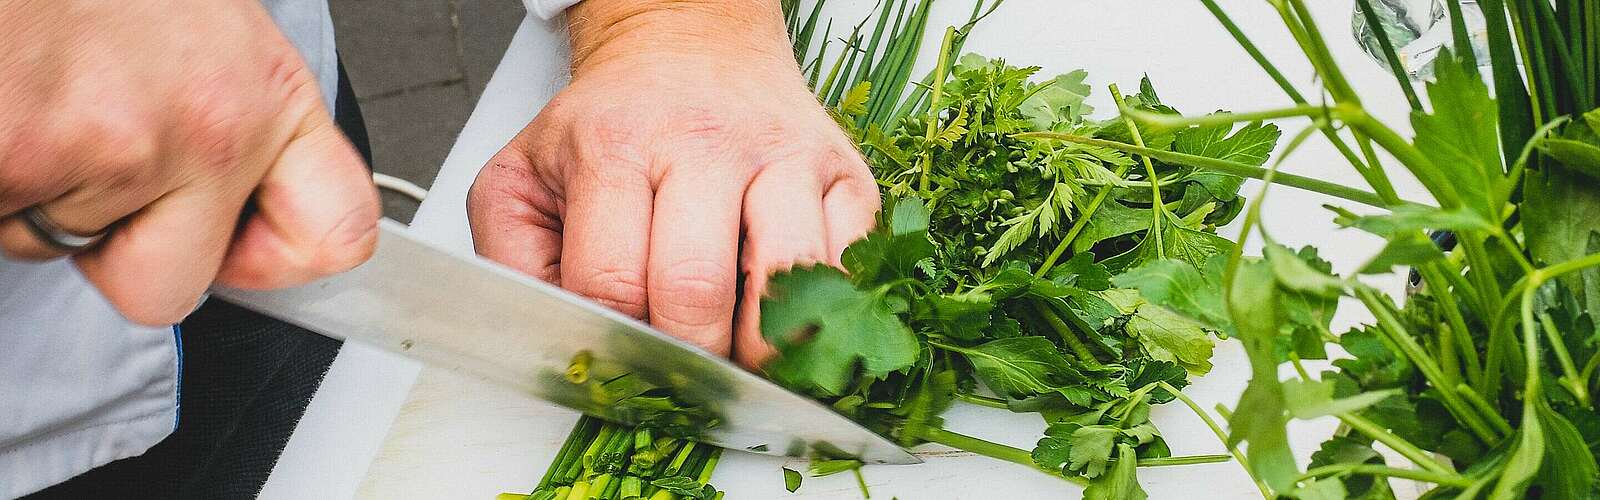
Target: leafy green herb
{"x":826,"y":329}
{"x":1492,"y":361}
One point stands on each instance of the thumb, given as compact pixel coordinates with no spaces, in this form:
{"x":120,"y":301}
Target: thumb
{"x":317,"y":213}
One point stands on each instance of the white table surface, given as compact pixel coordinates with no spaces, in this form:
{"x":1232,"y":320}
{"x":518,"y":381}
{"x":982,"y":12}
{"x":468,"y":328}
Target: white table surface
{"x":382,"y":427}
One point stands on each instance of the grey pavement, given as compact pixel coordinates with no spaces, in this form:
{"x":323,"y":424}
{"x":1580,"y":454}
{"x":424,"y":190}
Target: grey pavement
{"x":418,"y":67}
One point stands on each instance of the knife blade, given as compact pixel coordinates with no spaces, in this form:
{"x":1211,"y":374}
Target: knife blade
{"x":478,"y":318}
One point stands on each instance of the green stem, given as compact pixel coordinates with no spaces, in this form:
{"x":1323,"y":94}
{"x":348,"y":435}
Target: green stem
{"x":1373,"y":174}
{"x":569,"y":449}
{"x":1398,"y":337}
{"x":938,"y":91}
{"x":1440,"y":185}
{"x":1590,"y":367}
{"x":1396,"y":443}
{"x":1227,"y":167}
{"x":1168,"y":121}
{"x":1183,"y":460}
{"x":983,"y":400}
{"x":1254,"y":52}
{"x":1066,"y":333}
{"x":1488,"y":411}
{"x":1481,"y":267}
{"x":1079,"y":224}
{"x":1401,"y":76}
{"x":1468,"y":355}
{"x":1157,"y":209}
{"x":1238,"y":457}
{"x":1453,"y":480}
{"x":1570,"y":376}
{"x":1372,"y":171}
{"x":709,"y":466}
{"x":861,"y":482}
{"x":987,"y":448}
{"x":683,"y":455}
{"x":1316,"y":48}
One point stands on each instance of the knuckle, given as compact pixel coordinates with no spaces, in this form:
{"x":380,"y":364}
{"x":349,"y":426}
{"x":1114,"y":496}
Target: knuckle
{"x":213,"y":129}
{"x":619,"y":289}
{"x":781,"y":255}
{"x":215,"y":119}
{"x":485,"y":191}
{"x":694,"y":294}
{"x":499,"y":196}
{"x":288,"y":74}
{"x":126,"y":146}
{"x":702,"y":123}
{"x":351,"y":242}
{"x":609,"y":146}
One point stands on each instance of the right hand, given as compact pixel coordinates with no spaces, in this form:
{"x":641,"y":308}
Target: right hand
{"x":159,"y":121}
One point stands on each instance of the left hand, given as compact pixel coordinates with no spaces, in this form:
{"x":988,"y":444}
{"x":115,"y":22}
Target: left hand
{"x":687,"y":129}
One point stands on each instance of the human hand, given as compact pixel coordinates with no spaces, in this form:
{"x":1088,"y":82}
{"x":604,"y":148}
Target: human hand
{"x":158,"y":121}
{"x":687,"y":128}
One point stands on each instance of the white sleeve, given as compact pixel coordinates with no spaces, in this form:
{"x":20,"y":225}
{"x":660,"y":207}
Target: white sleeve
{"x":548,"y":9}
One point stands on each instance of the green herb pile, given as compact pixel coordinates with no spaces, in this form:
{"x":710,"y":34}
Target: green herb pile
{"x":992,"y":277}
{"x":995,"y":276}
{"x":1482,"y":380}
{"x":606,"y":461}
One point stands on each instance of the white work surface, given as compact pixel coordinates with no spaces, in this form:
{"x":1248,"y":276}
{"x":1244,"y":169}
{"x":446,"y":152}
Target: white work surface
{"x":382,"y":427}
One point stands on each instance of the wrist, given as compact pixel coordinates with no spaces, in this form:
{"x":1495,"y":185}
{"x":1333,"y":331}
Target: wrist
{"x":606,"y":30}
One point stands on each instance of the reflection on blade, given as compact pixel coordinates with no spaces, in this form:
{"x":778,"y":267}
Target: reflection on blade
{"x":471,"y":316}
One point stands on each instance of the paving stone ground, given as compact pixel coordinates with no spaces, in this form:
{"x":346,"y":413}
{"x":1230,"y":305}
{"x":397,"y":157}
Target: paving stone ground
{"x":418,"y":67}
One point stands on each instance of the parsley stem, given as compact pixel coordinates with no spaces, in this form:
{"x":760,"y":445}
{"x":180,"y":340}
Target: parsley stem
{"x":987,"y":448}
{"x":1157,"y":209}
{"x":1166,"y":121}
{"x":1066,"y":334}
{"x":1228,"y":167}
{"x":1439,"y":184}
{"x":1488,"y":411}
{"x":1462,"y":339}
{"x":1266,"y":492}
{"x":1183,"y":460}
{"x":1455,"y":480}
{"x":1394,"y":442}
{"x":1400,"y":340}
{"x":1569,"y":370}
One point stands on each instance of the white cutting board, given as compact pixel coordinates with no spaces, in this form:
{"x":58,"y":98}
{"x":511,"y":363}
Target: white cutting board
{"x":456,"y":438}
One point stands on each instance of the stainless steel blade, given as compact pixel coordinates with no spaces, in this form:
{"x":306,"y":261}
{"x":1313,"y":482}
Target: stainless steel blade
{"x":472,"y":316}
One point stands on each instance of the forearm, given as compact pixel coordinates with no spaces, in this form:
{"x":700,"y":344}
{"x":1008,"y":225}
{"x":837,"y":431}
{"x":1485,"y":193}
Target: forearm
{"x":604,"y":29}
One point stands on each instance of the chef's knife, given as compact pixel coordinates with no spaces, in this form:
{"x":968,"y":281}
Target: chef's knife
{"x":471,"y":316}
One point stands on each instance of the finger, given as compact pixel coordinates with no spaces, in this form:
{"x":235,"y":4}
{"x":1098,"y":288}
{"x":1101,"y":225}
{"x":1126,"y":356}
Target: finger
{"x":605,"y":234}
{"x":784,"y":227}
{"x":90,"y":184}
{"x":317,"y":213}
{"x":694,"y":246}
{"x":850,"y":206}
{"x":159,"y":262}
{"x":515,"y":220}
{"x":85,"y":211}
